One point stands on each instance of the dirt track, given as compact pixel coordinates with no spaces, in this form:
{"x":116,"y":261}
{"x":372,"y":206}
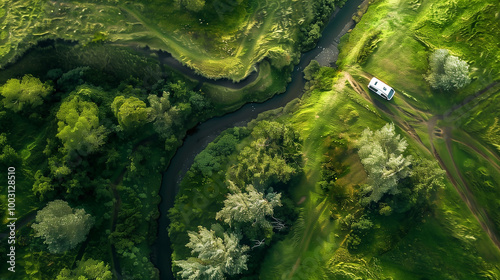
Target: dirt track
{"x":445,"y":133}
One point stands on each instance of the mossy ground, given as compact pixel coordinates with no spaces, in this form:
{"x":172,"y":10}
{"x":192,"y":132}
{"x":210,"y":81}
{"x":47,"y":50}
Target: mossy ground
{"x":221,"y":41}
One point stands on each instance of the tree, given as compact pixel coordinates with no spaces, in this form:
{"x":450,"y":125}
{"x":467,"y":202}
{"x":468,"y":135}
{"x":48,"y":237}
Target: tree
{"x":27,"y":91}
{"x":131,"y":112}
{"x":427,"y":178}
{"x":215,"y":256}
{"x":89,"y":269}
{"x":381,"y":154}
{"x":272,"y":157}
{"x":250,"y":206}
{"x":62,"y":227}
{"x":78,"y":126}
{"x":161,"y":114}
{"x":211,"y":158}
{"x":447,"y":72}
{"x":42,"y":185}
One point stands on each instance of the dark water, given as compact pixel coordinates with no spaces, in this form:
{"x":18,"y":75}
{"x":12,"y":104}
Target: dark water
{"x":199,"y":137}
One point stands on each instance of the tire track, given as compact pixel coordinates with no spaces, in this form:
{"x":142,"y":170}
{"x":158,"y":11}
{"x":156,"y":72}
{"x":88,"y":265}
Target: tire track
{"x":445,"y":133}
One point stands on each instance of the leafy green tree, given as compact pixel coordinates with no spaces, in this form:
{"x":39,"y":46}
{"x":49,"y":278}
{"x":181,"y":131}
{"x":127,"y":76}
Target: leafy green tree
{"x":78,"y":126}
{"x":447,"y":72}
{"x":27,"y":91}
{"x":250,"y":206}
{"x":210,"y":159}
{"x":9,"y":157}
{"x":272,"y":157}
{"x":89,"y":269}
{"x":131,"y":112}
{"x":382,"y":156}
{"x":198,"y":102}
{"x":427,"y":178}
{"x":161,"y":114}
{"x":216,"y":256}
{"x":62,"y":227}
{"x":42,"y":185}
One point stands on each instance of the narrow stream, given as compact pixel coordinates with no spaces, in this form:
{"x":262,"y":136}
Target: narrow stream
{"x":199,"y":137}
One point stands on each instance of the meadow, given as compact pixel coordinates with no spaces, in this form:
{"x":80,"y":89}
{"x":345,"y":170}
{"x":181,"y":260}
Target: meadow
{"x":225,"y":39}
{"x":455,"y":237}
{"x":415,"y":245}
{"x":393,"y":41}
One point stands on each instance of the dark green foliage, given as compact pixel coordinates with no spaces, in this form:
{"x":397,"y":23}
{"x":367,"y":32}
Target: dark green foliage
{"x":427,"y":178}
{"x":54,"y":74}
{"x":9,"y":157}
{"x":126,"y":236}
{"x":210,"y":159}
{"x":359,"y":229}
{"x":311,"y":70}
{"x":322,"y":10}
{"x":43,"y":185}
{"x":71,"y":79}
{"x":332,"y":168}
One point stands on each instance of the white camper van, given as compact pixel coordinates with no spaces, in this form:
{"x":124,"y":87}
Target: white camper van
{"x":381,"y":89}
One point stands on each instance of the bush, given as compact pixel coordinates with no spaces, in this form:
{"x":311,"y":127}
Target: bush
{"x":447,"y":72}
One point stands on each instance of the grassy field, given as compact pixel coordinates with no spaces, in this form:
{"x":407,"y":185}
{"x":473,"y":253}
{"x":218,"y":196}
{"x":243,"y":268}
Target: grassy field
{"x":226,"y":39}
{"x":394,"y":39}
{"x":400,"y":247}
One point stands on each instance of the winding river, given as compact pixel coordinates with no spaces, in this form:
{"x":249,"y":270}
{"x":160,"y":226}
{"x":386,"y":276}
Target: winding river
{"x":199,"y":137}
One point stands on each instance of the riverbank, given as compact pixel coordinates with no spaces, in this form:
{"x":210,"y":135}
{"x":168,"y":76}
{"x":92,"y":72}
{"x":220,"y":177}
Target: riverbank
{"x":199,"y":137}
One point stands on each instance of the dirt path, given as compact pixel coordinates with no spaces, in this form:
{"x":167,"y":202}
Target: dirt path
{"x":467,"y":195}
{"x":397,"y":119}
{"x":445,"y":133}
{"x":479,"y":152}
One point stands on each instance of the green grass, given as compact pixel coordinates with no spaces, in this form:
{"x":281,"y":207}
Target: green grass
{"x":398,"y":246}
{"x":269,"y":82}
{"x":411,"y":30}
{"x":482,"y":178}
{"x":216,"y":42}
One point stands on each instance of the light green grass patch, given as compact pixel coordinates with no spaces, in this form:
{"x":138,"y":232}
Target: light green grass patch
{"x":411,"y":30}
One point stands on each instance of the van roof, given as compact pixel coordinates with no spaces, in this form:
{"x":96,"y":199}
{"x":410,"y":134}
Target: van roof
{"x":380,"y":85}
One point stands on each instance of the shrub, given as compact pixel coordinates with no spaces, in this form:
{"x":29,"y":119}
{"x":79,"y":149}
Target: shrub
{"x":447,"y":72}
